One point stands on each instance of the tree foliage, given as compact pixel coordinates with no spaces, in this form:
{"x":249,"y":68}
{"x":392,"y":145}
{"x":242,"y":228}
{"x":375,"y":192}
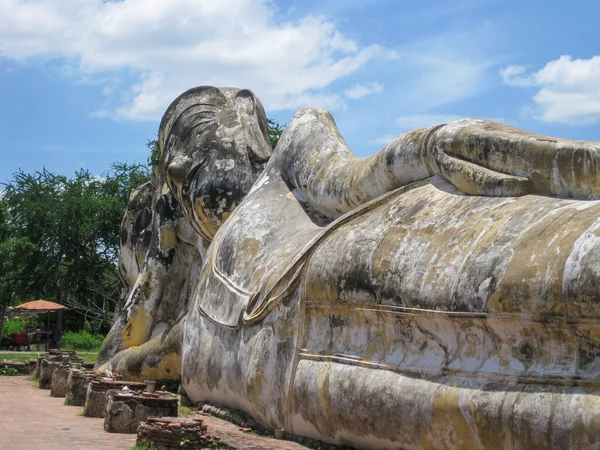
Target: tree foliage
{"x":154,"y":157}
{"x":275,"y":131}
{"x":63,"y":238}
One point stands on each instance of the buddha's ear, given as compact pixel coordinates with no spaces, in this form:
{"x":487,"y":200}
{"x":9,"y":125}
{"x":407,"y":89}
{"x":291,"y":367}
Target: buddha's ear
{"x":245,"y":101}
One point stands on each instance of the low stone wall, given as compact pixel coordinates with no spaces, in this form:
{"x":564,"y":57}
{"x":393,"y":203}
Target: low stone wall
{"x":23,"y":367}
{"x":77,"y":385}
{"x":48,"y":363}
{"x":172,"y":433}
{"x":47,"y":367}
{"x":98,"y":392}
{"x":125,"y":411}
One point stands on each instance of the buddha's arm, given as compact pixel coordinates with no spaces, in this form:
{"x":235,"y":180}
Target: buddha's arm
{"x":316,"y":161}
{"x":479,"y":157}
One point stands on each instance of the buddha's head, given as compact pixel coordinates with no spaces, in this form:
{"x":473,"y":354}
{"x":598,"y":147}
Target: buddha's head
{"x":214,"y":144}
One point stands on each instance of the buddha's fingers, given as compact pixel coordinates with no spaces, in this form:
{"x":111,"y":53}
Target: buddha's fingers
{"x":474,"y":179}
{"x":557,"y":167}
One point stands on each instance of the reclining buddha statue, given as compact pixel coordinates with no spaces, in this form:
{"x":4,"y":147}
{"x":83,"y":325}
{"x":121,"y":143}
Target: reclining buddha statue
{"x":442,"y":293}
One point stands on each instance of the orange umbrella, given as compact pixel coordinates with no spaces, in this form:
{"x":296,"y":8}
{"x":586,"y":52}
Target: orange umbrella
{"x":39,"y":306}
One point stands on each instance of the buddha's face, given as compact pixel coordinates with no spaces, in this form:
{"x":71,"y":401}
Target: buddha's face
{"x":214,"y":144}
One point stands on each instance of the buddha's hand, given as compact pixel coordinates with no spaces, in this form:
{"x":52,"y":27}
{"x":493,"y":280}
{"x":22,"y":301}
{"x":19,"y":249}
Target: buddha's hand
{"x":469,"y":177}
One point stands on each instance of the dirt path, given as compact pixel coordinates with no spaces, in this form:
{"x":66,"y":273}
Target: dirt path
{"x":31,"y":419}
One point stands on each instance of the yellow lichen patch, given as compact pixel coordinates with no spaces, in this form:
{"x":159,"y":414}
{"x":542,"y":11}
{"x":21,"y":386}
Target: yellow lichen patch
{"x":255,"y":385}
{"x":533,"y":279}
{"x":207,"y":228}
{"x":427,"y":441}
{"x":247,"y":251}
{"x":137,"y":330}
{"x":451,"y":428}
{"x":168,"y":237}
{"x":323,"y":388}
{"x":586,"y":429}
{"x":168,"y":368}
{"x":159,"y":358}
{"x":486,"y":416}
{"x":226,"y":214}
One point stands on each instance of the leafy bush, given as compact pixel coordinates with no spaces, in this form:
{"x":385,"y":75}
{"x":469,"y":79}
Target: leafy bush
{"x":9,"y":371}
{"x":13,"y":326}
{"x":81,"y":340}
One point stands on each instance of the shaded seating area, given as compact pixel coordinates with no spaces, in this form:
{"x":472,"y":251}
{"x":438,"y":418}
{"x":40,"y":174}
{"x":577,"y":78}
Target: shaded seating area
{"x":34,"y":336}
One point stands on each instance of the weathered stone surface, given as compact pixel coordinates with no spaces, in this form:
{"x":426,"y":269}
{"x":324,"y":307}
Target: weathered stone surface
{"x":95,"y":403}
{"x":77,"y":385}
{"x":99,"y":391}
{"x":123,"y":414}
{"x":47,"y":368}
{"x":119,"y":418}
{"x":173,"y":433}
{"x":47,"y":363}
{"x":161,"y":248}
{"x":60,"y":378}
{"x":442,"y":292}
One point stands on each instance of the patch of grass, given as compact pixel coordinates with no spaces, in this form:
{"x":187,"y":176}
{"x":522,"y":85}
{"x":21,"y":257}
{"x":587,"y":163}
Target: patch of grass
{"x":88,"y":356}
{"x":17,"y":357}
{"x":185,"y":411}
{"x":32,"y":377}
{"x":25,"y":356}
{"x":142,"y":447}
{"x":81,"y":340}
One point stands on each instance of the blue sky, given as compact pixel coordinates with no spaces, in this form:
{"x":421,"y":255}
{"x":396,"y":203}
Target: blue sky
{"x":84,"y":83}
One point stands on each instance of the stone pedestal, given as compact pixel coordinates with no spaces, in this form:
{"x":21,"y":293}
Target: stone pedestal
{"x":47,"y":367}
{"x":98,"y":392}
{"x":125,"y":412}
{"x":77,"y":385}
{"x":48,"y":363}
{"x":173,"y":433}
{"x":58,"y":387}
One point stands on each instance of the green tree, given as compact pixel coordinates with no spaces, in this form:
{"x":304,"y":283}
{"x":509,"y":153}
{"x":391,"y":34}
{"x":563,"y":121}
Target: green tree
{"x":64,"y":232}
{"x":13,"y":253}
{"x":154,"y":157}
{"x":275,"y":131}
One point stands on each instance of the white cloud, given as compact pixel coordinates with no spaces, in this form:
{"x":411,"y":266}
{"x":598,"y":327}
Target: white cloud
{"x":360,"y":90}
{"x":514,"y":76}
{"x":445,"y":68}
{"x":569,"y":90}
{"x":172,"y":45}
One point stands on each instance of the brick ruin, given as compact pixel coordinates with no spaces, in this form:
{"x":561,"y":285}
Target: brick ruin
{"x":175,"y":433}
{"x":98,"y":392}
{"x":47,"y":364}
{"x":77,"y":385}
{"x":125,"y":411}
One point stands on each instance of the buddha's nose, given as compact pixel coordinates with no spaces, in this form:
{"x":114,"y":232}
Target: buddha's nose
{"x":178,"y":169}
